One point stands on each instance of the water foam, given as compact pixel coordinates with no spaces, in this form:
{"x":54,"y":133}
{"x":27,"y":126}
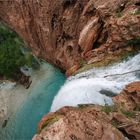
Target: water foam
{"x":91,"y":86}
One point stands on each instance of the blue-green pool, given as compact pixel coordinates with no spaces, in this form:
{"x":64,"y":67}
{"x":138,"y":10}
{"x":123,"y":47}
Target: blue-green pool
{"x":22,"y":124}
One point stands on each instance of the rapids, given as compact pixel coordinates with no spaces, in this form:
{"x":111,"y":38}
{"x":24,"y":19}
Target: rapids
{"x":98,"y":84}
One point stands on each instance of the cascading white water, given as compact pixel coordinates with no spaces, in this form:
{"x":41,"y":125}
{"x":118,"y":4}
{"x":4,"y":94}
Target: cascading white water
{"x":90,"y":87}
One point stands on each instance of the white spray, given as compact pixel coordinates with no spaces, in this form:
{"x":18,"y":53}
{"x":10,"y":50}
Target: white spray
{"x":90,"y":87}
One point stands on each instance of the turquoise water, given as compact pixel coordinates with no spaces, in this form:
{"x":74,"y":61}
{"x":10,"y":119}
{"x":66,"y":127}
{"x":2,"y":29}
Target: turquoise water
{"x":22,"y":125}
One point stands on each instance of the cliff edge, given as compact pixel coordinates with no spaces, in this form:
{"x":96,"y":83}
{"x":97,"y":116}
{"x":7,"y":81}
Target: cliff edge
{"x":71,"y":33}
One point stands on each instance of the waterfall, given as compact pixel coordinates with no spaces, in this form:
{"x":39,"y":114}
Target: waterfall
{"x":96,"y":86}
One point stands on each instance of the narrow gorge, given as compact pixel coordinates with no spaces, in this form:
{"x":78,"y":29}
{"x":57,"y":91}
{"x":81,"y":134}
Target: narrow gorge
{"x":76,"y":70}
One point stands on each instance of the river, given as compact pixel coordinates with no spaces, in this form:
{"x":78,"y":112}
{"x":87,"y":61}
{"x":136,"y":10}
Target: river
{"x":22,"y":123}
{"x":50,"y":91}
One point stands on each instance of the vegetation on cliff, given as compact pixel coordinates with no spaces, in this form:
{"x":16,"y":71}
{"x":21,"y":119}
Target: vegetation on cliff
{"x":11,"y":56}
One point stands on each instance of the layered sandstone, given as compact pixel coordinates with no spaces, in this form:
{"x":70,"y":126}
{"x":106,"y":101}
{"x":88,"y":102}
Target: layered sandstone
{"x":91,"y":122}
{"x":70,"y":33}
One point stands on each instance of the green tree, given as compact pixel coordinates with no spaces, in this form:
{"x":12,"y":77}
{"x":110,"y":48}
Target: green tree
{"x":11,"y":57}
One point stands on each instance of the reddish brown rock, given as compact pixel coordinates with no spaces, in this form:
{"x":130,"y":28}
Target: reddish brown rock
{"x":93,"y":122}
{"x":24,"y":80}
{"x":129,"y":98}
{"x":133,"y":88}
{"x":89,"y":34}
{"x":130,"y":127}
{"x":72,"y":70}
{"x":79,"y":124}
{"x":66,"y":32}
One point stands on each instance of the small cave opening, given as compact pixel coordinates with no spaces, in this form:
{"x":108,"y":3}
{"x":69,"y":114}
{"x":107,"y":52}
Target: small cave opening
{"x":96,"y":45}
{"x":137,"y":3}
{"x":68,"y":3}
{"x":69,"y":48}
{"x":66,"y":36}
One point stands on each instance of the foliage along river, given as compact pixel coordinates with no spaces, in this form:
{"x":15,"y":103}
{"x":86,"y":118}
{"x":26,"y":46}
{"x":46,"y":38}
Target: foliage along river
{"x":22,"y":124}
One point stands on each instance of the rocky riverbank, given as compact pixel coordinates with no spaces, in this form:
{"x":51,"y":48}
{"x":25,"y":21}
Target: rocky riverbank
{"x":89,"y":122}
{"x":24,"y":80}
{"x":19,"y":79}
{"x":11,"y":97}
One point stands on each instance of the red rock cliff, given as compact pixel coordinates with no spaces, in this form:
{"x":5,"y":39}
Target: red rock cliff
{"x":69,"y":32}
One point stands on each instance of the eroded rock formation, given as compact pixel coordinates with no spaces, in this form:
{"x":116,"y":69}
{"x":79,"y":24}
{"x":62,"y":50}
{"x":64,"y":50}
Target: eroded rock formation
{"x":69,"y":33}
{"x":92,"y":122}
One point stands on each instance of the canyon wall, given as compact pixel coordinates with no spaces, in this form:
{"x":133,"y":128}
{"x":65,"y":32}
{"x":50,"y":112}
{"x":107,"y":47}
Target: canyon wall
{"x":71,"y":33}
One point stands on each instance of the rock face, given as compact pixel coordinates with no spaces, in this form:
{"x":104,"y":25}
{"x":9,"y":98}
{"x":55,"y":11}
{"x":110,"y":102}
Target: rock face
{"x":69,"y":33}
{"x":92,"y":122}
{"x":130,"y":97}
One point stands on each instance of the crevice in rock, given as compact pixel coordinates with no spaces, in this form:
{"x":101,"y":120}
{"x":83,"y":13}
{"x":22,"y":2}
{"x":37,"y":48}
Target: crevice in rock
{"x":105,"y":36}
{"x":66,"y":36}
{"x":130,"y":137}
{"x":121,"y":8}
{"x":54,"y":19}
{"x":73,"y":137}
{"x":97,"y":44}
{"x":137,"y":3}
{"x":69,"y":48}
{"x":90,"y":13}
{"x":68,"y":3}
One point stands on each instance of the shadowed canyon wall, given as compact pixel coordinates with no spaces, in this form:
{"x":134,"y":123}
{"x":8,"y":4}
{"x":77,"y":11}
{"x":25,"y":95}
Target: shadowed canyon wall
{"x":68,"y":33}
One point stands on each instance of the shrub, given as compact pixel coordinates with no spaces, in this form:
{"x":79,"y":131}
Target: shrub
{"x":129,"y":114}
{"x":11,"y":56}
{"x":107,"y":109}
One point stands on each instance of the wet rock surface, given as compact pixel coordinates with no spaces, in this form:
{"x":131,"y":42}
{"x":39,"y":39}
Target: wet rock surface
{"x":93,"y":122}
{"x":25,"y":81}
{"x":69,"y":33}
